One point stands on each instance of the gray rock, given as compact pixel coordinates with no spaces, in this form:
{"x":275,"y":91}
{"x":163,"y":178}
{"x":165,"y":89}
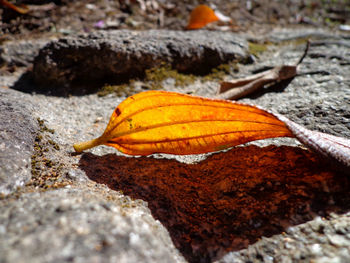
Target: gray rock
{"x":319,"y":97}
{"x":18,"y":129}
{"x":112,"y":56}
{"x":20,"y":52}
{"x":289,"y":34}
{"x":316,"y":241}
{"x":81,"y":225}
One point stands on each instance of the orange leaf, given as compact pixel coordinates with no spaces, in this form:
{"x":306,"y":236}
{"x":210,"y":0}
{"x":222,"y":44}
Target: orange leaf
{"x":174,"y":123}
{"x":201,"y":16}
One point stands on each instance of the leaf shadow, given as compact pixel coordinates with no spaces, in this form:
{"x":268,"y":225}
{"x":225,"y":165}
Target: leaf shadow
{"x":26,"y":84}
{"x":276,"y":87}
{"x":229,"y":200}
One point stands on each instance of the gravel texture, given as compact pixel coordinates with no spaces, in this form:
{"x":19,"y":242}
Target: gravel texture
{"x":318,"y":98}
{"x":115,"y":55}
{"x":18,"y":129}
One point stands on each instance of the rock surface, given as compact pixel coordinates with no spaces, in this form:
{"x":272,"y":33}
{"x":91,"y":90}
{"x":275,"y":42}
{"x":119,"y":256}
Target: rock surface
{"x":17,"y":133}
{"x":21,"y":53}
{"x":81,"y":225}
{"x":113,"y":56}
{"x":86,"y":219}
{"x":327,"y":241}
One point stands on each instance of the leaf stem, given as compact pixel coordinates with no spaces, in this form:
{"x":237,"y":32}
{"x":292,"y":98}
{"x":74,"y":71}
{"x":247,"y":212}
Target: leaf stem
{"x":82,"y":146}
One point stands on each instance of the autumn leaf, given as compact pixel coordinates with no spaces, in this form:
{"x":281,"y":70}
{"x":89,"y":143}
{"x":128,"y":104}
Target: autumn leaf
{"x":174,"y":123}
{"x":201,"y":16}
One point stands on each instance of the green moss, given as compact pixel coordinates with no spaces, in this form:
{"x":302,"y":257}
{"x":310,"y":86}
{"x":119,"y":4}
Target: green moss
{"x":46,"y":173}
{"x":43,"y":127}
{"x":158,"y":74}
{"x":294,"y":42}
{"x":54,"y":144}
{"x":119,"y":90}
{"x":153,"y":80}
{"x":256,"y":48}
{"x":221,"y":71}
{"x":40,"y":122}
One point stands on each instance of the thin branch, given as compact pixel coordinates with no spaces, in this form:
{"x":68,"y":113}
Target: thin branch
{"x":305,"y":53}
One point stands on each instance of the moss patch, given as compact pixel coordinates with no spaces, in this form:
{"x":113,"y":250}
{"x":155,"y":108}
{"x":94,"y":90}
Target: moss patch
{"x":155,"y":77}
{"x":123,"y":90}
{"x":218,"y":73}
{"x":256,"y":48}
{"x":153,"y":80}
{"x":46,"y":173}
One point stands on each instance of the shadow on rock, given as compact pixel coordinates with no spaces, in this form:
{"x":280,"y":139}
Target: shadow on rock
{"x":277,"y":87}
{"x":229,"y":200}
{"x":27,"y":84}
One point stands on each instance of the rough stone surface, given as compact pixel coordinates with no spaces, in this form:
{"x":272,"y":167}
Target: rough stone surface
{"x":316,"y":241}
{"x":18,"y":129}
{"x":317,"y":98}
{"x":115,"y":55}
{"x":20,"y":53}
{"x":81,"y":225}
{"x":280,"y":35}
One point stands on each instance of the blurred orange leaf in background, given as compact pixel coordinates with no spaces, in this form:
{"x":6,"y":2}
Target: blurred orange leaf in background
{"x":201,"y":16}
